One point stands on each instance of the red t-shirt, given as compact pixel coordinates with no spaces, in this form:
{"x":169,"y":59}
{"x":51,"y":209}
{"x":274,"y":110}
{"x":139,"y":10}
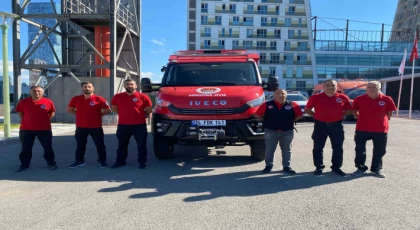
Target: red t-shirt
{"x":329,"y":109}
{"x":88,"y":110}
{"x":373,"y":113}
{"x":262,"y":109}
{"x":36,"y":114}
{"x":131,"y":107}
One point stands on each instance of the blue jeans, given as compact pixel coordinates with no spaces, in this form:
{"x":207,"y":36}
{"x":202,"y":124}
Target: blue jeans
{"x":284,"y":140}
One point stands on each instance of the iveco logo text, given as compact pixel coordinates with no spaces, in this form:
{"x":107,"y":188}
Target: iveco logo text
{"x":207,"y":103}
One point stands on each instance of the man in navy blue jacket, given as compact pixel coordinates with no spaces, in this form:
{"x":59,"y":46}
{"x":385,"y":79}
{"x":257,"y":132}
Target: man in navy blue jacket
{"x":279,"y":116}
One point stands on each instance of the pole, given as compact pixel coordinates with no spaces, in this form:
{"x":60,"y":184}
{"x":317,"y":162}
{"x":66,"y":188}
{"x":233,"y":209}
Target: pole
{"x":401,"y":82}
{"x":411,"y":94}
{"x":6,"y":85}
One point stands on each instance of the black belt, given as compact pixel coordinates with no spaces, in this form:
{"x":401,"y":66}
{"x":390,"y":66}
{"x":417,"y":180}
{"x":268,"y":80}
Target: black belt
{"x":329,"y":123}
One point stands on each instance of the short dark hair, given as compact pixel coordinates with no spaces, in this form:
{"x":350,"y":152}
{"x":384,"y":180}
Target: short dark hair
{"x":129,"y":80}
{"x":86,"y":83}
{"x":36,"y":86}
{"x":329,"y":80}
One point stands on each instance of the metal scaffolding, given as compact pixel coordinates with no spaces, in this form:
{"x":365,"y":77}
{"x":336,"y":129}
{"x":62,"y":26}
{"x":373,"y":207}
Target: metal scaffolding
{"x":75,"y":24}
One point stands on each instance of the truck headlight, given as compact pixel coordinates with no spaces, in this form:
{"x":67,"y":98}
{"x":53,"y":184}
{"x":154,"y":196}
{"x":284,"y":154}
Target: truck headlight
{"x":162,"y":103}
{"x":257,"y":102}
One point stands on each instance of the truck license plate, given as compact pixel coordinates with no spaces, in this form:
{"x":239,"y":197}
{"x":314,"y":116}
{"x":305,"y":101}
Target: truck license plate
{"x":209,"y":123}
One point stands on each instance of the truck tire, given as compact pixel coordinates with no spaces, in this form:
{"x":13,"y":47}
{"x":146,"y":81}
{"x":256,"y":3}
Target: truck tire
{"x":258,"y":150}
{"x":163,"y":148}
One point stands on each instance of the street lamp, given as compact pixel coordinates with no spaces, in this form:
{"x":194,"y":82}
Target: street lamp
{"x":6,"y":19}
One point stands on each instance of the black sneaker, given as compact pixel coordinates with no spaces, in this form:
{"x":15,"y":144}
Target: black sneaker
{"x":103,"y":164}
{"x":77,"y":164}
{"x":52,"y":167}
{"x":289,"y":170}
{"x":318,"y":172}
{"x":118,"y":165}
{"x":360,"y":171}
{"x":267,"y":169}
{"x":338,"y":172}
{"x":143,"y":166}
{"x":21,"y":168}
{"x":378,"y":173}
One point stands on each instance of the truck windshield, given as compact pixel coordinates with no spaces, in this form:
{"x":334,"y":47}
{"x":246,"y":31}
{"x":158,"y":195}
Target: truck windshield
{"x":353,"y":93}
{"x":211,"y":74}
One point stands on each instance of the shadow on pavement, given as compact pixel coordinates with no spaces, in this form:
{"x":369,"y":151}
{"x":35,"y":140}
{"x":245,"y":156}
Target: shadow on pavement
{"x":182,"y":174}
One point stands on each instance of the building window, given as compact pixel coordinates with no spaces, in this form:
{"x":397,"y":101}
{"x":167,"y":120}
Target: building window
{"x":277,"y":33}
{"x":207,"y":32}
{"x":262,"y":9}
{"x":223,"y":32}
{"x":289,"y":72}
{"x":204,"y":7}
{"x":207,"y":44}
{"x":264,"y":21}
{"x":288,"y":59}
{"x":291,"y":34}
{"x":218,"y":20}
{"x":288,"y":22}
{"x":287,"y":46}
{"x":261,"y":33}
{"x":261,"y":45}
{"x":291,"y":10}
{"x":273,"y":45}
{"x":263,"y":57}
{"x":249,"y":9}
{"x":273,"y":21}
{"x":232,"y":8}
{"x":272,"y":71}
{"x":302,"y":46}
{"x":275,"y":58}
{"x":235,"y":20}
{"x":289,"y":84}
{"x":301,"y":85}
{"x":300,"y":21}
{"x":204,"y":20}
{"x":299,"y":72}
{"x":247,"y":44}
{"x":249,"y":33}
{"x":230,"y":32}
{"x":249,"y":21}
{"x":301,"y":58}
{"x":221,"y":44}
{"x":235,"y":44}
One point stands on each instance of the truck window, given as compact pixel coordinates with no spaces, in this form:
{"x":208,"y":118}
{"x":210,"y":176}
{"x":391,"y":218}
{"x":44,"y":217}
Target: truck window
{"x":211,"y":74}
{"x":353,"y":93}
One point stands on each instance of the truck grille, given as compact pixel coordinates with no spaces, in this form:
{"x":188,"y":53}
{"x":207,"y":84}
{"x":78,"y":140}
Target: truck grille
{"x":227,"y":111}
{"x":207,"y":111}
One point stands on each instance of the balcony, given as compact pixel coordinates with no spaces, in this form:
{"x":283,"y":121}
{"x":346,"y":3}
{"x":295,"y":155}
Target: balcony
{"x":263,"y":12}
{"x":210,"y":23}
{"x":271,"y":1}
{"x":205,"y":35}
{"x":296,"y":1}
{"x":212,"y":47}
{"x":298,"y":37}
{"x":228,"y":35}
{"x":221,"y":11}
{"x":204,"y":10}
{"x":241,"y":23}
{"x":294,"y":13}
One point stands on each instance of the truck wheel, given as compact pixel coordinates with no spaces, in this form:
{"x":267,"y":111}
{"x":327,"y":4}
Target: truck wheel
{"x":258,"y":150}
{"x":163,"y":148}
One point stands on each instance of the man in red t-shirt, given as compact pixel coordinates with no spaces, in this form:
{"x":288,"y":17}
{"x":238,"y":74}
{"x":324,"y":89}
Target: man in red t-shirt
{"x":330,"y":108}
{"x":89,"y":109}
{"x":132,"y":108}
{"x":279,"y":116}
{"x":35,"y":113}
{"x":373,"y":110}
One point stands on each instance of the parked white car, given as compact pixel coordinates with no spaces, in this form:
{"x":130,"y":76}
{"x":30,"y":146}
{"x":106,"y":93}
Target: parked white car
{"x":299,"y":98}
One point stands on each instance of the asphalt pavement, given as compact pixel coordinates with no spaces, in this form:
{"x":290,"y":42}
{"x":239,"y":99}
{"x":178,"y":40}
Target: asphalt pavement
{"x":200,"y":189}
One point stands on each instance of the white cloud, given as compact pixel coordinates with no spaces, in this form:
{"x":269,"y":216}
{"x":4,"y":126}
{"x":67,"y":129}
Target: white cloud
{"x":160,"y":42}
{"x":152,"y":76}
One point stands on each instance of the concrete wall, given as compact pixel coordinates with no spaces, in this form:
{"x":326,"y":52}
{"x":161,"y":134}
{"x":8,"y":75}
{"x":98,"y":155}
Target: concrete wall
{"x":1,"y":110}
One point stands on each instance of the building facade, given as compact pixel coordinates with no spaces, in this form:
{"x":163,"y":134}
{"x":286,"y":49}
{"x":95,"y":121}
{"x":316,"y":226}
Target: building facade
{"x":279,"y":30}
{"x":44,"y":52}
{"x":406,"y":20}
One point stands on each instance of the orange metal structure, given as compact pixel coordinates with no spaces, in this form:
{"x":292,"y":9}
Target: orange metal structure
{"x":103,"y":45}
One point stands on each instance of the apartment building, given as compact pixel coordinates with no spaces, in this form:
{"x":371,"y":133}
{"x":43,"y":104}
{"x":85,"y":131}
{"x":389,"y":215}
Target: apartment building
{"x":406,"y":20}
{"x":279,"y":30}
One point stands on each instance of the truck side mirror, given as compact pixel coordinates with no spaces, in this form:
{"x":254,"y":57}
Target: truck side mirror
{"x":146,"y":85}
{"x":272,"y":83}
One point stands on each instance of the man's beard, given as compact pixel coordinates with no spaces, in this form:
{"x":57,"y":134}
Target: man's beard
{"x":87,"y":92}
{"x":129,"y":90}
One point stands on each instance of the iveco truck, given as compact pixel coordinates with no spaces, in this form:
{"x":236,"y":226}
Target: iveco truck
{"x":208,"y":98}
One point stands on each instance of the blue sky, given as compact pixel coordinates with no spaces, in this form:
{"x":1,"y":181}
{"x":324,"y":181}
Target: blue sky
{"x":164,"y":25}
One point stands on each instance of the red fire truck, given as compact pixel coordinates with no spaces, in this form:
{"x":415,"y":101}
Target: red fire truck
{"x":208,"y":97}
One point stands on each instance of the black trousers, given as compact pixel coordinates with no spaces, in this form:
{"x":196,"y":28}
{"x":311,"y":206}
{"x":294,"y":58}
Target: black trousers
{"x":97,"y":135}
{"x":335,"y":131}
{"x":27,"y":138}
{"x":124,"y":133}
{"x":379,"y":149}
